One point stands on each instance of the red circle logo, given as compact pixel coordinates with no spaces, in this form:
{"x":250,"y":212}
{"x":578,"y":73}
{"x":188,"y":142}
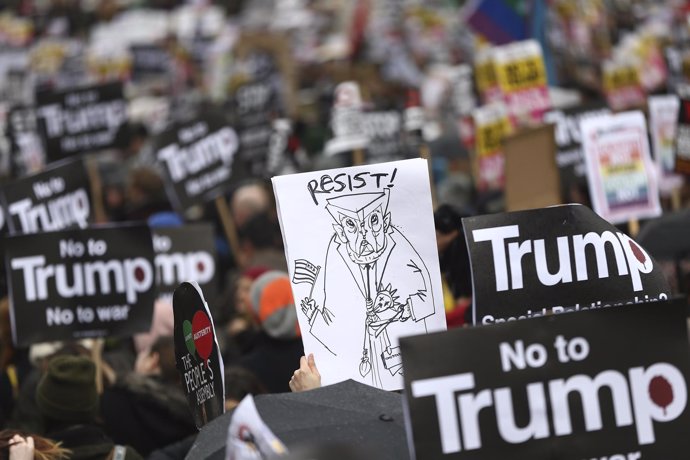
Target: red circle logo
{"x":202,"y":333}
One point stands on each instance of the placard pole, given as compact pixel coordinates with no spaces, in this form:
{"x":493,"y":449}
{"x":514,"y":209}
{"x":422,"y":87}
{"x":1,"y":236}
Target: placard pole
{"x":100,"y":216}
{"x":229,"y":228}
{"x":676,"y":199}
{"x":634,"y":227}
{"x":357,"y":157}
{"x":425,"y":153}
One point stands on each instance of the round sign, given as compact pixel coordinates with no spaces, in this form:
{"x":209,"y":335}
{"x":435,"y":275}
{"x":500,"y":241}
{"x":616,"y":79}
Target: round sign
{"x":202,"y":333}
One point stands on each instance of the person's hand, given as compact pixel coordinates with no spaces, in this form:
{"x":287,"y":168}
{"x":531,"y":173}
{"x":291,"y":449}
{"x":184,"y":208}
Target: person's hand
{"x":307,"y":377}
{"x":21,"y":449}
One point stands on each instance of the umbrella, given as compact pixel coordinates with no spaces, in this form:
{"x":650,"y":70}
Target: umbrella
{"x":666,"y":238}
{"x":348,"y":413}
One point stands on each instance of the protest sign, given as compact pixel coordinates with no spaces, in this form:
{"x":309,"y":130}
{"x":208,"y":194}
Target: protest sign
{"x":610,"y":384}
{"x":249,"y":438}
{"x":530,"y":154}
{"x":74,"y":284}
{"x":485,"y":76}
{"x":81,"y":120}
{"x":521,"y":76}
{"x":255,"y":106}
{"x":55,"y":199}
{"x":185,"y":254}
{"x":529,"y":263}
{"x":197,"y":354}
{"x":682,"y":164}
{"x":570,"y":158}
{"x":491,"y":126}
{"x":27,"y":152}
{"x":198,"y":159}
{"x":384,"y":128}
{"x":663,"y":124}
{"x":149,"y":61}
{"x":361,"y":252}
{"x":622,"y":86}
{"x":620,"y":172}
{"x":347,"y":122}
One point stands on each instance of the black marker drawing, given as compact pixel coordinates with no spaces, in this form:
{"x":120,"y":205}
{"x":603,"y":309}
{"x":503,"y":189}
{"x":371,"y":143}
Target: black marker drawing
{"x":373,"y":283}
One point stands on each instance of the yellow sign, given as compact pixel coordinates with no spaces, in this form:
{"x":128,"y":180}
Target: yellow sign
{"x":522,"y":74}
{"x":489,"y":137}
{"x":620,"y":77}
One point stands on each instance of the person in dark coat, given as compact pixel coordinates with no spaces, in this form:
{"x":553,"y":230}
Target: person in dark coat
{"x":147,"y":409}
{"x":278,"y":347}
{"x":68,"y":402}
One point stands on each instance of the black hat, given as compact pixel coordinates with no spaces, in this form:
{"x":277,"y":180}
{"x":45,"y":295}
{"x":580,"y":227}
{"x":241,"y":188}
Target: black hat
{"x":67,"y":391}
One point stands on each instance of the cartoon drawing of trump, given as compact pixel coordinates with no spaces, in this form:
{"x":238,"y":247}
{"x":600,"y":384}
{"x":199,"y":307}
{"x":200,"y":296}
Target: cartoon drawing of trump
{"x":383,"y":287}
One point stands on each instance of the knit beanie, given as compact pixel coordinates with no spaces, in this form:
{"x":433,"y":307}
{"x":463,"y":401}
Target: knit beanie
{"x":274,"y":306}
{"x":67,"y":391}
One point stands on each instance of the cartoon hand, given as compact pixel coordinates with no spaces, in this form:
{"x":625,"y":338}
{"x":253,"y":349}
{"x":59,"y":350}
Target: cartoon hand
{"x":406,"y":310}
{"x":308,"y":307}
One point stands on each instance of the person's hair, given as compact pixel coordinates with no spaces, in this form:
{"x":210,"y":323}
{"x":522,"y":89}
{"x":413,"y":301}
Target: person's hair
{"x":165,"y":347}
{"x":44,"y":448}
{"x":239,"y":382}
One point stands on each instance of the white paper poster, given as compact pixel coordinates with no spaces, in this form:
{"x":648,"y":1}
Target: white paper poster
{"x":663,"y":124}
{"x":361,"y":249}
{"x":620,"y":171}
{"x":249,"y":438}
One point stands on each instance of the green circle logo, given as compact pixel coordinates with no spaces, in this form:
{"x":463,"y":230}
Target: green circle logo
{"x":188,"y":337}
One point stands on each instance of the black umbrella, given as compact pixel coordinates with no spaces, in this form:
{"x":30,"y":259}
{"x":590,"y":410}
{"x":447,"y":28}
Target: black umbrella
{"x":667,"y":238}
{"x":347,"y":413}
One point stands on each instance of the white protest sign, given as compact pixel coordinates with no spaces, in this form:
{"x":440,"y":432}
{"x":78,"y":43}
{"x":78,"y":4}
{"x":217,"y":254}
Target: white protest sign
{"x":620,"y":172}
{"x":663,"y":124}
{"x":249,"y":438}
{"x":361,"y":250}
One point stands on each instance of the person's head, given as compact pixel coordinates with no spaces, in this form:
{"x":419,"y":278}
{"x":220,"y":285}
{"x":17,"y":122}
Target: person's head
{"x":159,"y":360}
{"x":249,"y":200}
{"x":243,"y":302}
{"x":362,"y":222}
{"x":274,"y":306}
{"x":239,"y":382}
{"x":259,"y":232}
{"x":44,"y":449}
{"x":66,"y":394}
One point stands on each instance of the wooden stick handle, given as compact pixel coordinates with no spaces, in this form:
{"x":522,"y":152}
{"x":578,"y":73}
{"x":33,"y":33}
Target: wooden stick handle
{"x":229,"y":228}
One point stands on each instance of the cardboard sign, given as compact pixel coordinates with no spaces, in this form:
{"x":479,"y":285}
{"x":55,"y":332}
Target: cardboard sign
{"x":529,"y":263}
{"x":683,"y":138}
{"x":361,"y":252}
{"x":569,"y":157}
{"x":185,"y":254}
{"x":610,"y":384}
{"x":197,"y":353}
{"x":622,"y":86}
{"x":620,"y":172}
{"x":663,"y":124}
{"x":81,"y":120}
{"x":521,"y":75}
{"x":492,"y":124}
{"x":530,"y":154}
{"x":56,"y":199}
{"x":74,"y":284}
{"x":198,"y":159}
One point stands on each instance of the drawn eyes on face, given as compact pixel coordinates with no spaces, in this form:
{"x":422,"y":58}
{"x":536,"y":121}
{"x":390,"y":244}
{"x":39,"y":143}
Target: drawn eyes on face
{"x":375,"y":222}
{"x":350,"y":225}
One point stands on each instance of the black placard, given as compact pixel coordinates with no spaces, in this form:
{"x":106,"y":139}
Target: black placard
{"x":529,"y":263}
{"x":384,"y":129}
{"x":82,"y":120}
{"x":81,"y":283}
{"x":570,"y":156}
{"x":254,"y":107}
{"x":199,"y":160}
{"x":197,"y":353}
{"x":185,"y":254}
{"x":606,"y":384}
{"x":55,"y":199}
{"x":149,"y":61}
